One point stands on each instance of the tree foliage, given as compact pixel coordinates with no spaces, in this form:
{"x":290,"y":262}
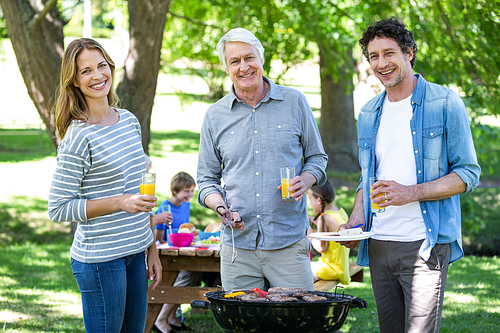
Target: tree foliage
{"x":197,"y":25}
{"x":458,"y":43}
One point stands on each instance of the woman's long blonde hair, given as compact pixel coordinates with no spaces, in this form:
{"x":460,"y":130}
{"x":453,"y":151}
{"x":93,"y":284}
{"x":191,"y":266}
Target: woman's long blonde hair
{"x":71,"y":104}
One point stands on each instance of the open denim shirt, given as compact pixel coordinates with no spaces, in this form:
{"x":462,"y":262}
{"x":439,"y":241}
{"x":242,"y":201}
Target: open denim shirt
{"x":442,"y":143}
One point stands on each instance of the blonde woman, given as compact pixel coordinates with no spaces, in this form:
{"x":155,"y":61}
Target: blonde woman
{"x":96,"y":183}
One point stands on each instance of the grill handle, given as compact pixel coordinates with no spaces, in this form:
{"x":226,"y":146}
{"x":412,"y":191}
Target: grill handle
{"x":200,"y":304}
{"x":359,"y":303}
{"x":205,"y":305}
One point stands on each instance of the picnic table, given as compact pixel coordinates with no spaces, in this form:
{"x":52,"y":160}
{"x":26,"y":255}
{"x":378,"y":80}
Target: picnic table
{"x":174,"y":260}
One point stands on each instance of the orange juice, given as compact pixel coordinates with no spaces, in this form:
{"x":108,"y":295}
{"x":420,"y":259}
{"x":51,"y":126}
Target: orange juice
{"x":375,"y":207}
{"x":285,"y":195}
{"x":147,"y":189}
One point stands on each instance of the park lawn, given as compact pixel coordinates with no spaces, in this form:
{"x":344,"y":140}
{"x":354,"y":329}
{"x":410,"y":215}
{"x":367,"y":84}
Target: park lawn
{"x":39,"y":294}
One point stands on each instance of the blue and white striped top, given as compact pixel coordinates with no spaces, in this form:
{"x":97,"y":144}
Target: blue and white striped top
{"x":95,"y":162}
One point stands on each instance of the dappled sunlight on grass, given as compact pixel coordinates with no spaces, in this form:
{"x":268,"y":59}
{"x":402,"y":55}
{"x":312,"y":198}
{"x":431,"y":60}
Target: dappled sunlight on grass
{"x":182,"y":141}
{"x":461,"y":298}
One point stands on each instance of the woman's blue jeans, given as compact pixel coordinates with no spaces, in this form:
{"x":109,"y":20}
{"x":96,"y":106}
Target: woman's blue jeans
{"x":114,"y":294}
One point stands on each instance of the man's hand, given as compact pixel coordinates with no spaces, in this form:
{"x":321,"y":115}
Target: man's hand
{"x":357,"y":217}
{"x":349,"y":225}
{"x":299,"y":185}
{"x":392,"y":193}
{"x":225,"y":216}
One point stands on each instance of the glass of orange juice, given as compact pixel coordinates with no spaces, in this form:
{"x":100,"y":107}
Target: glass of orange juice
{"x":375,"y":207}
{"x":147,"y":186}
{"x":286,"y":175}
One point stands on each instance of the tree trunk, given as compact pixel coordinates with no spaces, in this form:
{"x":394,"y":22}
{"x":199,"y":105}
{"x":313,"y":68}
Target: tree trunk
{"x":137,"y":87}
{"x":38,"y":44}
{"x":338,"y":125}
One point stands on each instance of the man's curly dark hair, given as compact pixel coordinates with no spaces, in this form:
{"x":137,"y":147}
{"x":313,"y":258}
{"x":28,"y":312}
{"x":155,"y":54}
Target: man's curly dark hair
{"x":393,"y":29}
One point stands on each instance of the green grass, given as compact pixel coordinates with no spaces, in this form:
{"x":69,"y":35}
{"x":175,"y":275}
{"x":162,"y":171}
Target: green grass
{"x":18,"y":145}
{"x":39,"y":294}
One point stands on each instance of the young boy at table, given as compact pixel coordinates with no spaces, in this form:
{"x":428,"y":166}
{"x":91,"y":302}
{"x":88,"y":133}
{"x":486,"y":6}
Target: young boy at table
{"x":175,"y":210}
{"x":334,"y":261}
{"x":182,"y":187}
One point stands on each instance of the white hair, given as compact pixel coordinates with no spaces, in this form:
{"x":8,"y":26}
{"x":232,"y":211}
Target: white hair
{"x":238,"y":35}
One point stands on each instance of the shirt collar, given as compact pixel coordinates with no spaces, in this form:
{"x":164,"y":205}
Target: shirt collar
{"x":273,"y":93}
{"x":418,"y":92}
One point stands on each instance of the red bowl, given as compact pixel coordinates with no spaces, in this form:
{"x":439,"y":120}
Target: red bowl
{"x":181,"y":239}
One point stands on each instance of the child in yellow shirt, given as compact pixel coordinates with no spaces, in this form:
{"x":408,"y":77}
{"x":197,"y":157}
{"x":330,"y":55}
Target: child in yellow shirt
{"x":334,"y":261}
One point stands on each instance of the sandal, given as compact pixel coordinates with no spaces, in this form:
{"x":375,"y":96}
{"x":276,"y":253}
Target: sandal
{"x":180,"y":328}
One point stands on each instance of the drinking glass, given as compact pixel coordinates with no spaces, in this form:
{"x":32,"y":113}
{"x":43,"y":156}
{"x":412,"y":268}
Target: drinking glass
{"x":147,"y":186}
{"x":375,"y":207}
{"x":287,"y":174}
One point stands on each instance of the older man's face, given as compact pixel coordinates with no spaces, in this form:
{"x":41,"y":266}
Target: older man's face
{"x":244,"y":67}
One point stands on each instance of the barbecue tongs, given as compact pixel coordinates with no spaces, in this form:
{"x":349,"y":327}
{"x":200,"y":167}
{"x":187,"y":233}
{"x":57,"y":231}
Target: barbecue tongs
{"x":228,"y":224}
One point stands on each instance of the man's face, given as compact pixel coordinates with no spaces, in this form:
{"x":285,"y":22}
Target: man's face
{"x":388,"y":62}
{"x":244,"y":66}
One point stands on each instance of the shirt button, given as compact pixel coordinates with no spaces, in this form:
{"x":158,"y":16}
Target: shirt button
{"x":232,"y":132}
{"x":430,"y":230}
{"x":255,"y":132}
{"x":256,"y":151}
{"x":279,"y":126}
{"x":257,"y":173}
{"x":258,"y":216}
{"x":419,"y":171}
{"x":253,"y":110}
{"x":425,"y":212}
{"x":258,"y":195}
{"x":416,"y":151}
{"x":432,"y":133}
{"x":414,"y":132}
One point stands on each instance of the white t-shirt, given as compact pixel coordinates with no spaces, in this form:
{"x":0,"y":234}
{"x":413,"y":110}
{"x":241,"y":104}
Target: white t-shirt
{"x":395,"y":161}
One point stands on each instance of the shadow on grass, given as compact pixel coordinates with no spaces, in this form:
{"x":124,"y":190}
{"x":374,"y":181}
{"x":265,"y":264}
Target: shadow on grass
{"x":25,"y":219}
{"x":36,"y":281}
{"x":470,"y":301}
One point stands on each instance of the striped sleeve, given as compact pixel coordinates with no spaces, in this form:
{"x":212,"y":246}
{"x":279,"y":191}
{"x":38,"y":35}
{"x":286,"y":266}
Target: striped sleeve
{"x":64,"y":203}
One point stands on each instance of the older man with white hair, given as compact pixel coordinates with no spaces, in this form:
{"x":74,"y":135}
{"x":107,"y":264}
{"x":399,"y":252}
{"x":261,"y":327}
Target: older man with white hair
{"x":246,"y":137}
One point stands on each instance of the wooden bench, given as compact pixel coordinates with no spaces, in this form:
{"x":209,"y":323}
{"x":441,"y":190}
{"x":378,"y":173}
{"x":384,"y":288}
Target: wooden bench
{"x":355,"y":271}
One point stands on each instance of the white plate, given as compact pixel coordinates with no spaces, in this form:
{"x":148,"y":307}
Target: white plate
{"x":327,"y":236}
{"x":210,"y":246}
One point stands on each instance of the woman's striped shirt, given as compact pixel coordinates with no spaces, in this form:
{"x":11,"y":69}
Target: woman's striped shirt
{"x":95,"y":162}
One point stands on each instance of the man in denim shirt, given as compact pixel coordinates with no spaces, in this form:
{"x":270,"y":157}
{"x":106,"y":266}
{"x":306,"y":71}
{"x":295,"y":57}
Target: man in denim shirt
{"x":246,"y":137}
{"x":415,"y":138}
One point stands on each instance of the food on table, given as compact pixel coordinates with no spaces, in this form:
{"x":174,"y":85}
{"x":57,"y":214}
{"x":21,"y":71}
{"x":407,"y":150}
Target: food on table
{"x":187,"y":228}
{"x":211,"y":240}
{"x":213,"y":227}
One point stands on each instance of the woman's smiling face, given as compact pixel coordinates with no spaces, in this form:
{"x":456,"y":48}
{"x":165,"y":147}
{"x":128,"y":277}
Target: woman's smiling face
{"x":93,"y":75}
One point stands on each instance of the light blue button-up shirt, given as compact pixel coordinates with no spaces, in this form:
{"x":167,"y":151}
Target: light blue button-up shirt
{"x":245,"y":147}
{"x":442,"y":143}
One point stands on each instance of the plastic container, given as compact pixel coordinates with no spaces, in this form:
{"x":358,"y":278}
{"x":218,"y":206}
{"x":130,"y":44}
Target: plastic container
{"x":181,"y":239}
{"x":206,"y":235}
{"x":174,"y":231}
